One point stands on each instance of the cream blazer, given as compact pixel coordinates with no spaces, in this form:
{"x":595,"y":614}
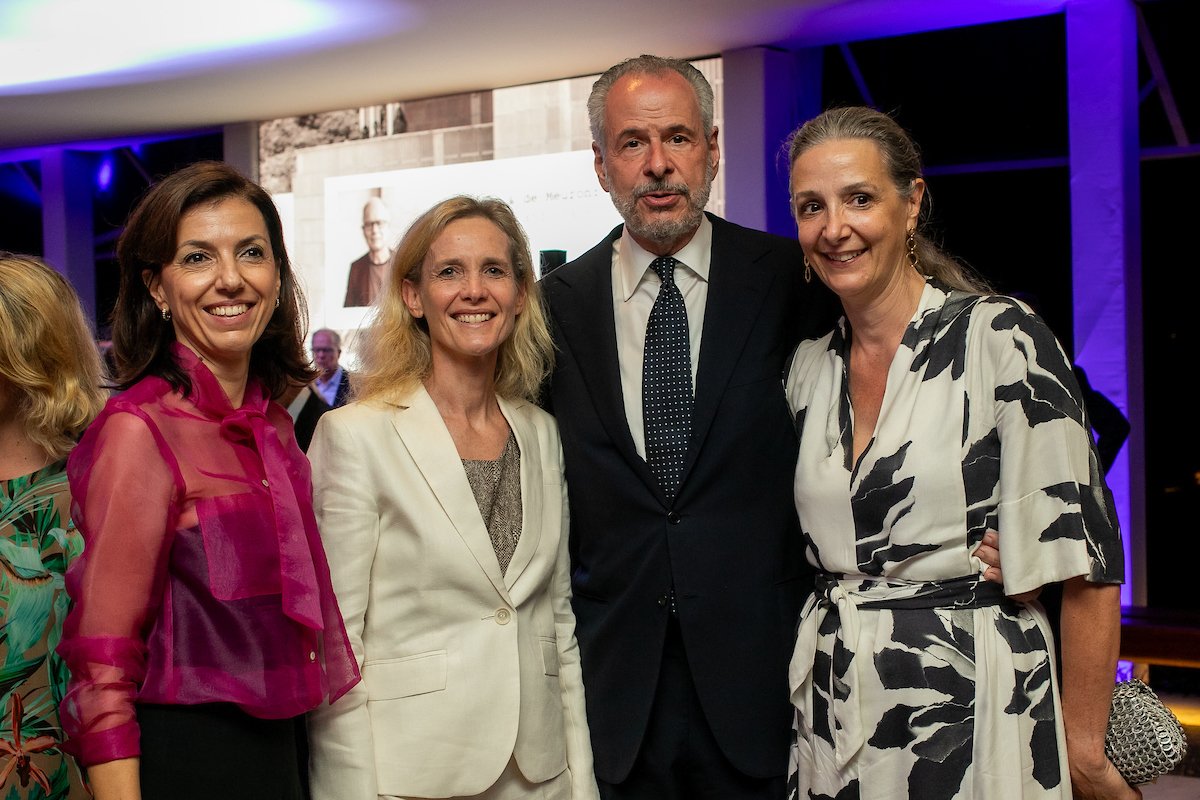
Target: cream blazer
{"x":463,"y":669}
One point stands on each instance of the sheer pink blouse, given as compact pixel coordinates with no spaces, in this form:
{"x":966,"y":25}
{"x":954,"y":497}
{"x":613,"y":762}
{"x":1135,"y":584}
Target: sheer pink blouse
{"x":203,"y":578}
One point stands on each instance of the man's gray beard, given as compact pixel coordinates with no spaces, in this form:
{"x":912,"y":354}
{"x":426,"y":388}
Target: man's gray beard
{"x":665,"y":231}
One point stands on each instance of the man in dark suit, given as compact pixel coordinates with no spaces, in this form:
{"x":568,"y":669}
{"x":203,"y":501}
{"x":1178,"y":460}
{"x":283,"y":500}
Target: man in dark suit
{"x":686,"y":595}
{"x":333,"y":384}
{"x":306,"y":408}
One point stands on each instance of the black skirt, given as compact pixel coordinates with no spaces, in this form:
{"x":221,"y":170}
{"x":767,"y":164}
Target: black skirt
{"x":217,"y":750}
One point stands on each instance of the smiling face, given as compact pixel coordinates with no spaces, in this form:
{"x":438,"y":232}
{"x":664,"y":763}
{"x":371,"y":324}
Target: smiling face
{"x":851,"y":218}
{"x":656,"y":161}
{"x":468,"y":292}
{"x":221,"y":284}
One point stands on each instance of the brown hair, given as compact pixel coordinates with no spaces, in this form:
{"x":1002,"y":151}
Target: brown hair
{"x":142,"y":339}
{"x":903,"y":163}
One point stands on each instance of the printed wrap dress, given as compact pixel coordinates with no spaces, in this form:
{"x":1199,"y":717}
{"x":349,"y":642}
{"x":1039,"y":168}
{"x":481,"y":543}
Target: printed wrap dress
{"x":912,"y":677}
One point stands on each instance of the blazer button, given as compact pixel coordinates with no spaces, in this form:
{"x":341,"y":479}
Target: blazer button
{"x":674,"y":518}
{"x":503,"y":616}
{"x":662,"y":601}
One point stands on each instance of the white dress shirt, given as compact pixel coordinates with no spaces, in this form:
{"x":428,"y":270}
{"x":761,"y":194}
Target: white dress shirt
{"x":327,"y":389}
{"x":635,"y":288}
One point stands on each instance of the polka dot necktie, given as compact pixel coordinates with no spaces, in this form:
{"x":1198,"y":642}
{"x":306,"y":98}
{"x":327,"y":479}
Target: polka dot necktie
{"x":667,"y":381}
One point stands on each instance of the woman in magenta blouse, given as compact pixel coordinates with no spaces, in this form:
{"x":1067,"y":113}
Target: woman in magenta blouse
{"x":203,"y":619}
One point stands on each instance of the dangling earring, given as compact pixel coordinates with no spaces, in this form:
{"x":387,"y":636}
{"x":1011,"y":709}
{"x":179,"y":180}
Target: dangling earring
{"x":913,"y":259}
{"x":277,"y":302}
{"x":807,"y":271}
{"x":166,"y":314}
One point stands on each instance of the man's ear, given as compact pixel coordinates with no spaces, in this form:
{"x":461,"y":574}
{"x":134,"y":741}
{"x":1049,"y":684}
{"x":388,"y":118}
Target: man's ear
{"x":601,"y":172}
{"x":714,"y":150}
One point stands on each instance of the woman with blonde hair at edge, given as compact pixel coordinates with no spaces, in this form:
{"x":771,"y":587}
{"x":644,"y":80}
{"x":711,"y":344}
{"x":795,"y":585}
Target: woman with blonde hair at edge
{"x":51,"y":381}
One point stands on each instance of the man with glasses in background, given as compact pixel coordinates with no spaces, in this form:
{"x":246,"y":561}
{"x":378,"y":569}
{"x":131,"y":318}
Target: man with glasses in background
{"x":333,"y":384}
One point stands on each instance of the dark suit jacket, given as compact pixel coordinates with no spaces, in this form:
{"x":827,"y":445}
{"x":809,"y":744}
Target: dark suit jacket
{"x":729,"y":544}
{"x":306,"y":420}
{"x":342,"y":395}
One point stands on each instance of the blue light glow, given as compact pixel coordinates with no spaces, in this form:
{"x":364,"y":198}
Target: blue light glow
{"x":56,"y":43}
{"x":104,"y":174}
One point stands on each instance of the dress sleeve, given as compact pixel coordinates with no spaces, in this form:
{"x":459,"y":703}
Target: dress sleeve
{"x":804,"y":365}
{"x":341,"y":740}
{"x":1057,"y":519}
{"x":124,"y":484}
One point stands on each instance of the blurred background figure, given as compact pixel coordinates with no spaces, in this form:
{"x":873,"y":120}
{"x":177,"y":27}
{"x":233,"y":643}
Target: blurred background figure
{"x":50,"y":389}
{"x":203,"y":623}
{"x":441,"y":501}
{"x":1110,"y":427}
{"x":333,"y":381}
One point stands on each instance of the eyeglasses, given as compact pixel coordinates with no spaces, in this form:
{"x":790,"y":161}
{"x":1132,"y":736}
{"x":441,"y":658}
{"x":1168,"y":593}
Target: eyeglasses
{"x":377,"y":223}
{"x":324,"y":350}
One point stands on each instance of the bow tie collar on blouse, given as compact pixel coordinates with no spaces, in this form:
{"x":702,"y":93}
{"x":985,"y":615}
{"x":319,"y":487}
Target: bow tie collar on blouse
{"x":249,"y":425}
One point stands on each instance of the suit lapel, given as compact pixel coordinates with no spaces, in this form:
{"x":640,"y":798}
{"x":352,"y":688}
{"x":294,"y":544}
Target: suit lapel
{"x":531,"y":490}
{"x":737,"y":287}
{"x":342,"y":394}
{"x":423,"y":432}
{"x":585,"y":318}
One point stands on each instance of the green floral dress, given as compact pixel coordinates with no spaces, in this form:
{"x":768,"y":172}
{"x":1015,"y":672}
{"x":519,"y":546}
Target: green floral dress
{"x":37,"y":543}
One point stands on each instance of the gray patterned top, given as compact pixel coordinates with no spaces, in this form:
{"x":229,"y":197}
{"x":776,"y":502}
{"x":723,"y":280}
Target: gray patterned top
{"x":497,"y":488}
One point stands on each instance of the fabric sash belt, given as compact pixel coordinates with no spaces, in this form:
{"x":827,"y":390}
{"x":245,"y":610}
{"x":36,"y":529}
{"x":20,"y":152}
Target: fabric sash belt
{"x":835,"y":606}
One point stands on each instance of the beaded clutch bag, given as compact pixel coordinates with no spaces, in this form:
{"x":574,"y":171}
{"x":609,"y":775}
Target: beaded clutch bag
{"x":1144,"y":739}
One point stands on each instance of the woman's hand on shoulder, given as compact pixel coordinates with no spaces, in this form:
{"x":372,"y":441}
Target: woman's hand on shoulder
{"x":1099,"y":780}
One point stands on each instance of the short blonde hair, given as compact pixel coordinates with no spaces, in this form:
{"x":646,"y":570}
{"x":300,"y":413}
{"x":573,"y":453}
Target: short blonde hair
{"x":396,"y":353}
{"x":48,"y":356}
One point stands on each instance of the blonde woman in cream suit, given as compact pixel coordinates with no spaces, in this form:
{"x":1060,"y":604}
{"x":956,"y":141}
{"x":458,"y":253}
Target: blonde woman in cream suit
{"x":441,"y":502}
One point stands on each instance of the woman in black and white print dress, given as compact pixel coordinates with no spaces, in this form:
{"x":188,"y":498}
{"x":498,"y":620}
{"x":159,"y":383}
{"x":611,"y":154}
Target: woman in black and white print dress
{"x":932,"y":412}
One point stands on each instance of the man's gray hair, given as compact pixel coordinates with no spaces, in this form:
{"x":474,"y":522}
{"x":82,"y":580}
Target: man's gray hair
{"x":648,"y":65}
{"x":333,"y":335}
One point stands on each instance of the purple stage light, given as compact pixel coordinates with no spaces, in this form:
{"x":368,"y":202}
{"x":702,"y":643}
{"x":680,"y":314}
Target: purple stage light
{"x":104,"y":174}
